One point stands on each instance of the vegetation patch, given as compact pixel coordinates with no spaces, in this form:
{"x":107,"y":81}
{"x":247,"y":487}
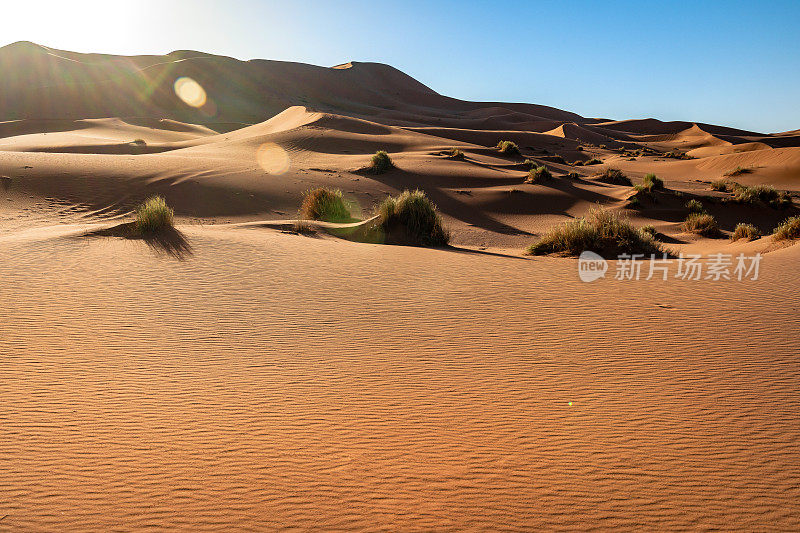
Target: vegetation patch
{"x":745,"y":231}
{"x":789,"y":229}
{"x":652,"y":182}
{"x":613,"y":176}
{"x":381,"y":162}
{"x":454,"y":153}
{"x":695,"y":206}
{"x":508,"y":148}
{"x":411,"y":218}
{"x":603,"y":232}
{"x":538,"y":175}
{"x":154,"y":215}
{"x":593,"y":161}
{"x":324,"y":204}
{"x":701,"y":224}
{"x":738,"y":171}
{"x":756,"y":195}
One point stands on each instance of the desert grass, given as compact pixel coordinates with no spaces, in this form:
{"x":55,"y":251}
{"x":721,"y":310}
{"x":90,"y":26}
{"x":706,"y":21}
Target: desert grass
{"x":412,"y":218}
{"x":324,"y":204}
{"x":745,"y":231}
{"x":603,"y":232}
{"x":788,"y":230}
{"x":508,"y":148}
{"x":381,"y":162}
{"x":649,"y":229}
{"x":701,"y":224}
{"x":154,"y":215}
{"x":695,"y":206}
{"x":756,"y":195}
{"x":538,"y":175}
{"x":738,"y":171}
{"x":455,"y":153}
{"x":613,"y":176}
{"x":652,"y":182}
{"x":593,"y":161}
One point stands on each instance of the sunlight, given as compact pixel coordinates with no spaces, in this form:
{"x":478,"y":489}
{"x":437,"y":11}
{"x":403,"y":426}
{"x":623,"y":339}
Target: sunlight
{"x":191,"y":92}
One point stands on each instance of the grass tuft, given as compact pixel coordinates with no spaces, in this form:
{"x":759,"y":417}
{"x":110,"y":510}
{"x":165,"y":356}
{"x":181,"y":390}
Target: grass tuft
{"x":455,"y":153}
{"x":508,"y":148}
{"x":593,"y":161}
{"x":695,"y":206}
{"x":649,"y":229}
{"x":381,"y":162}
{"x":652,"y":182}
{"x":603,"y":232}
{"x":538,"y":175}
{"x":745,"y":231}
{"x":412,"y":218}
{"x":614,"y":176}
{"x":154,"y":215}
{"x":789,"y":229}
{"x":738,"y":171}
{"x":701,"y":224}
{"x":324,"y":204}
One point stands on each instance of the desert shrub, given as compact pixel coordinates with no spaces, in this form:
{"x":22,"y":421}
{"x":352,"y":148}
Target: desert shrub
{"x":381,"y":162}
{"x":454,"y":153}
{"x":649,"y":229}
{"x":529,"y":163}
{"x":745,"y":231}
{"x":577,"y":163}
{"x":789,"y":229}
{"x":324,"y":204}
{"x":558,"y":159}
{"x":701,"y":224}
{"x":676,"y":154}
{"x":412,"y":218}
{"x":574,"y":176}
{"x":538,"y":174}
{"x":139,"y":142}
{"x":739,"y":171}
{"x":634,"y":202}
{"x":603,"y":232}
{"x":508,"y":148}
{"x":614,"y":176}
{"x":593,"y":161}
{"x":762,"y":193}
{"x":695,"y":206}
{"x":723,"y":185}
{"x":653,"y":182}
{"x":153,"y":215}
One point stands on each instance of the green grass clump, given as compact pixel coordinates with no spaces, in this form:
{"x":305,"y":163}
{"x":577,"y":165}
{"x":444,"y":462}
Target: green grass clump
{"x":724,"y":185}
{"x":738,"y":171}
{"x":508,"y":148}
{"x":649,"y":229}
{"x":593,"y":161}
{"x":745,"y":231}
{"x":154,"y":215}
{"x":603,"y":232}
{"x":789,"y":229}
{"x":324,"y":204}
{"x":454,"y":153}
{"x":614,"y":176}
{"x":695,"y":206}
{"x":381,"y":162}
{"x":762,"y":194}
{"x":538,"y":175}
{"x":653,"y":182}
{"x":412,"y":218}
{"x":701,"y":224}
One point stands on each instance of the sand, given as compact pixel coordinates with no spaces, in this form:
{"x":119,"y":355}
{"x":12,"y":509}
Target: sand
{"x":236,"y":376}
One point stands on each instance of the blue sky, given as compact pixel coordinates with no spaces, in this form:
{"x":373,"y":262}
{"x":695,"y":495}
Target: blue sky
{"x":732,"y":63}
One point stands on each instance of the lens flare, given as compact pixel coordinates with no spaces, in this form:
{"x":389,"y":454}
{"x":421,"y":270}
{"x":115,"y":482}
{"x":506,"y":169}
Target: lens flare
{"x":191,"y":92}
{"x":273,"y":159}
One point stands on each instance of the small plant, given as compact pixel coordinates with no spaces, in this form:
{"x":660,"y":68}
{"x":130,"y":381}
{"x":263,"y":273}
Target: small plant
{"x":139,"y":142}
{"x":538,"y":175}
{"x":762,"y":194}
{"x":558,"y":159}
{"x":745,"y":231}
{"x":648,"y":229}
{"x":508,"y":148}
{"x":324,"y":204}
{"x":603,"y":232}
{"x":593,"y":161}
{"x":529,"y":163}
{"x":788,"y":230}
{"x":634,"y":202}
{"x":577,"y":163}
{"x":701,"y":224}
{"x":738,"y":171}
{"x":454,"y":153}
{"x":653,"y":182}
{"x":574,"y":176}
{"x":412,"y":218}
{"x":695,"y":206}
{"x":381,"y":162}
{"x":614,"y":176}
{"x":154,"y":215}
{"x":724,"y":185}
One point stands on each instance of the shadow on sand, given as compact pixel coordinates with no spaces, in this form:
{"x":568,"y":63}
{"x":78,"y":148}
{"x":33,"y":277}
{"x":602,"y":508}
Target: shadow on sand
{"x":170,"y":240}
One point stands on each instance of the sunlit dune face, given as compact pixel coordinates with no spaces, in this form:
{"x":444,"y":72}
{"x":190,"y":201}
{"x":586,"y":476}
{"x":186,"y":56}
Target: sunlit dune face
{"x":273,"y":159}
{"x":191,"y":92}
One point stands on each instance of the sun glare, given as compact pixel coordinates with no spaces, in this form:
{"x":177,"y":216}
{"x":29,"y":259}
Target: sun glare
{"x":191,"y":92}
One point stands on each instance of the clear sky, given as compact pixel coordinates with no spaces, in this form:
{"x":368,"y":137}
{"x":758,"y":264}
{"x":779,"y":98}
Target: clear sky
{"x":734,"y":63}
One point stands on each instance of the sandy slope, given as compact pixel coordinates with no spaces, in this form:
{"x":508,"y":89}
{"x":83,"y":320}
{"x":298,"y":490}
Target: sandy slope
{"x":271,"y":380}
{"x":230,"y":376}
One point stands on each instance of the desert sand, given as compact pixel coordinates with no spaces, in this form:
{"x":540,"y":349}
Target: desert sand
{"x":240,"y":376}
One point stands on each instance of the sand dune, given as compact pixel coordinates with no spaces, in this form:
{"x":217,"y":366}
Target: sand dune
{"x":234,"y":375}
